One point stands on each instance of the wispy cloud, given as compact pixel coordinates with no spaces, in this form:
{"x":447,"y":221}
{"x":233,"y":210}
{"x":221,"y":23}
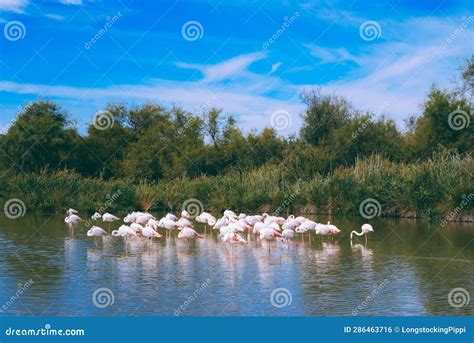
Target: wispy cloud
{"x":55,"y":16}
{"x":234,"y":67}
{"x":16,"y":6}
{"x":71,"y":2}
{"x":394,"y":77}
{"x":330,"y":55}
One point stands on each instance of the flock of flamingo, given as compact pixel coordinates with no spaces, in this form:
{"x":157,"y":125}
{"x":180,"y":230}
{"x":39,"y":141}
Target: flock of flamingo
{"x":230,"y":227}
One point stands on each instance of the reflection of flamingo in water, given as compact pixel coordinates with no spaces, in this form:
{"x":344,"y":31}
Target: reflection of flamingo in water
{"x":367,"y":254}
{"x":365,"y":229}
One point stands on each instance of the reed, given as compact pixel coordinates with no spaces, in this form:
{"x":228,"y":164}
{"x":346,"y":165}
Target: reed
{"x":427,"y":189}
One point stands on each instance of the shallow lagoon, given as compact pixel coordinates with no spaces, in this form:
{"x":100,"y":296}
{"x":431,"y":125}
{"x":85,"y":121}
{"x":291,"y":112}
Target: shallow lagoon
{"x":408,"y":267}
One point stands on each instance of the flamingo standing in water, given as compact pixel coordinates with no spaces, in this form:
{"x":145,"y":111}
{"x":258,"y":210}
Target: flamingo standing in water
{"x":269,"y":234}
{"x":188,"y":233}
{"x":72,"y":219}
{"x":109,"y":218}
{"x":288,"y":234}
{"x":365,"y":229}
{"x":124,"y":231}
{"x":149,"y":232}
{"x":96,"y":231}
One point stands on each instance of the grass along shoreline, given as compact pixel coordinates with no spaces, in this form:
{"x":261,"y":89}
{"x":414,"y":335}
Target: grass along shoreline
{"x":437,"y":188}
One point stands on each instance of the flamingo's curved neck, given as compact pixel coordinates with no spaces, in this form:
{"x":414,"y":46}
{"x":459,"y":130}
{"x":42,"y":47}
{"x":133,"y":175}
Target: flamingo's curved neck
{"x":357,"y":233}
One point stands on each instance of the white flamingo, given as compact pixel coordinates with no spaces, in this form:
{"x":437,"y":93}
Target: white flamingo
{"x":168,"y":224}
{"x":150,"y":233}
{"x":171,"y":216}
{"x":72,"y":211}
{"x":96,"y":216}
{"x":109,"y":218}
{"x":183,"y":222}
{"x":269,"y":234}
{"x":124,"y":231}
{"x":288,"y":234}
{"x":188,"y":233}
{"x":72,"y":219}
{"x":136,"y":227}
{"x":96,"y":231}
{"x":365,"y":229}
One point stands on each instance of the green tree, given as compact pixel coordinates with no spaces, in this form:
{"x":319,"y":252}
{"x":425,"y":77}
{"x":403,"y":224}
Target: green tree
{"x":41,"y":138}
{"x":323,"y":114}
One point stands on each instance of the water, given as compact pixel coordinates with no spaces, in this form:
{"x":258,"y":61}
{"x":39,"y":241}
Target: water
{"x":407,"y":268}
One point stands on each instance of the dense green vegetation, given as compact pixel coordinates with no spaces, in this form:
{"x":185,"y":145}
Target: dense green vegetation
{"x":159,"y":157}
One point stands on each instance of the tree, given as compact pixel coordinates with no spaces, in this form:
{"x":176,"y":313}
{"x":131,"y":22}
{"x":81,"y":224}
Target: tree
{"x":41,"y":138}
{"x":324,"y":113}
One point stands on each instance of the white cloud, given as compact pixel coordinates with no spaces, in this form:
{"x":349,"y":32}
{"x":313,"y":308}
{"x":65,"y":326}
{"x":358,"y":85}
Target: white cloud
{"x":330,"y":55}
{"x":275,"y":67}
{"x":252,"y":109}
{"x":232,"y":68}
{"x":16,"y":6}
{"x":55,"y":16}
{"x":71,"y":2}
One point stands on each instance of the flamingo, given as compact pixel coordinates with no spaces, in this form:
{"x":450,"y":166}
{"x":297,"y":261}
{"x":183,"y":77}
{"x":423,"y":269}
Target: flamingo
{"x":168,"y":224}
{"x":188,"y":233}
{"x":182,"y":222}
{"x":149,"y":232}
{"x":96,"y":216}
{"x":72,"y":211}
{"x":365,"y":229}
{"x":136,"y":227}
{"x":185,"y":214}
{"x":269,"y":234}
{"x":124,"y":231}
{"x":72,"y":219}
{"x":288,"y":234}
{"x":109,"y":218}
{"x":206,"y":219}
{"x":96,"y":231}
{"x":230,"y":214}
{"x":171,"y":216}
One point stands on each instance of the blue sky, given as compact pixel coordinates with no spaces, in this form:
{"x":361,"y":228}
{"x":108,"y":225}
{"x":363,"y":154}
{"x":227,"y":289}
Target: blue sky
{"x":143,"y":53}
